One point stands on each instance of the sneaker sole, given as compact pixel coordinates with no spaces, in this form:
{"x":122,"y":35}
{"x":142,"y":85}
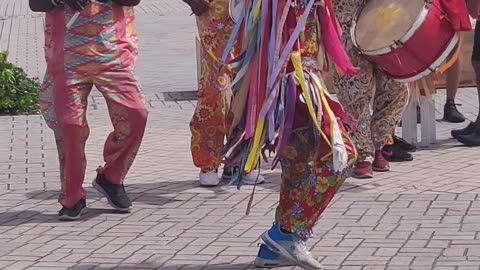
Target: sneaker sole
{"x":102,"y":191}
{"x":381,"y":169}
{"x":363,"y":176}
{"x":205,"y":185}
{"x":460,"y":135}
{"x":69,"y":218}
{"x":252,"y":183}
{"x":263,"y":263}
{"x":396,"y":160}
{"x":454,"y":122}
{"x":466,"y":143}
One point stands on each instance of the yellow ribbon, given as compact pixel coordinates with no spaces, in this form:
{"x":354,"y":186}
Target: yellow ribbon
{"x":300,"y":76}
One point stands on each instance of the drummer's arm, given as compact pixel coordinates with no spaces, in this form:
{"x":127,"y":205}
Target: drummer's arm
{"x":473,"y":8}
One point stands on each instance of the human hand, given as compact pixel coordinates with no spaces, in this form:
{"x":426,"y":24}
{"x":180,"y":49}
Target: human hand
{"x":199,"y":7}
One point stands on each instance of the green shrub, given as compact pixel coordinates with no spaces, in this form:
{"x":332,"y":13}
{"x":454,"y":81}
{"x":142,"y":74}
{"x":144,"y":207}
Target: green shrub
{"x":18,"y":92}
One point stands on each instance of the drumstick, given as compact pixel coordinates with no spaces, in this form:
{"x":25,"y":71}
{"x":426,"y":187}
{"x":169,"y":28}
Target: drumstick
{"x":73,"y":19}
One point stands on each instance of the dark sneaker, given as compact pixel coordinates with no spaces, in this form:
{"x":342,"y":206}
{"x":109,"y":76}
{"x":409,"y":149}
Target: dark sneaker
{"x":394,"y":153}
{"x":363,"y":170}
{"x":404,"y":145}
{"x":472,"y":139}
{"x":116,"y":195}
{"x":380,"y":164}
{"x":464,"y":131}
{"x":68,"y":214}
{"x":451,"y":114}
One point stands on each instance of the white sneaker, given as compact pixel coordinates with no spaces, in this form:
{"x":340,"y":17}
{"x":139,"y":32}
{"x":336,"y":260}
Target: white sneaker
{"x":209,"y":179}
{"x":291,"y":248}
{"x":252,"y":177}
{"x":247,"y":179}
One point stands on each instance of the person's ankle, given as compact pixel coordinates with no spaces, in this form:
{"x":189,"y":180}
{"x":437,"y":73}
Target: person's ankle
{"x":450,"y":101}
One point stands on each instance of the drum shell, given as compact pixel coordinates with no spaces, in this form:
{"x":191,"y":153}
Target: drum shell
{"x":427,"y":45}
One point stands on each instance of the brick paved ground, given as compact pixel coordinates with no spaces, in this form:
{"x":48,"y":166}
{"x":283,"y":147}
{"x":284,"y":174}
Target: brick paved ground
{"x":422,"y":215}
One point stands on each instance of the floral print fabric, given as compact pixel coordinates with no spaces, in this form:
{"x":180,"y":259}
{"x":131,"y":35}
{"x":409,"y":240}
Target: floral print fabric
{"x":208,"y":124}
{"x":308,"y":183}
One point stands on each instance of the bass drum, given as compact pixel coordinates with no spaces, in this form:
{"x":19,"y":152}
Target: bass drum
{"x":407,"y":39}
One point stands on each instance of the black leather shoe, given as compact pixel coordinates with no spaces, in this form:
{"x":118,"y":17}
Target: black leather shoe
{"x":116,"y":195}
{"x":394,"y":153}
{"x":472,"y":139}
{"x":451,"y":114}
{"x":404,"y":145}
{"x":464,"y":131}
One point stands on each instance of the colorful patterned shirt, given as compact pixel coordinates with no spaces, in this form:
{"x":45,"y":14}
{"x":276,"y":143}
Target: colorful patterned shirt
{"x":103,"y":37}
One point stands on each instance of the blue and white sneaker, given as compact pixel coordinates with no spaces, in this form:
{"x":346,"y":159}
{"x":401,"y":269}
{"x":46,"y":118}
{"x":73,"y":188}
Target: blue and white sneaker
{"x":291,"y":248}
{"x":266,"y":258}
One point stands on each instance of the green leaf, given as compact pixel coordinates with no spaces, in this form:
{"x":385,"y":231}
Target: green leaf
{"x":18,"y":92}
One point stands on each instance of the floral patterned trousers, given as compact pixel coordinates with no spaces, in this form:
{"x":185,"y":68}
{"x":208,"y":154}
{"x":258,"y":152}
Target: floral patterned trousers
{"x":373,"y":130}
{"x":208,"y":124}
{"x":308,"y":183}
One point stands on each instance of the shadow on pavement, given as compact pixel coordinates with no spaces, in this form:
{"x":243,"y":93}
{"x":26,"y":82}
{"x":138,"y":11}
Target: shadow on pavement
{"x":149,"y":266}
{"x":159,"y":194}
{"x":15,"y":218}
{"x":353,"y":188}
{"x":442,"y":144}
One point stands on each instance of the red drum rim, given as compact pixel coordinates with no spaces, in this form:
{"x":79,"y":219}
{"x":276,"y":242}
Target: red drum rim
{"x":435,"y":65}
{"x":409,"y":34}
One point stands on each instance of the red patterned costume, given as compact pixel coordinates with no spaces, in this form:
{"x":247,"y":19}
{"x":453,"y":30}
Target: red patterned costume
{"x":280,"y":102}
{"x":99,"y":50}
